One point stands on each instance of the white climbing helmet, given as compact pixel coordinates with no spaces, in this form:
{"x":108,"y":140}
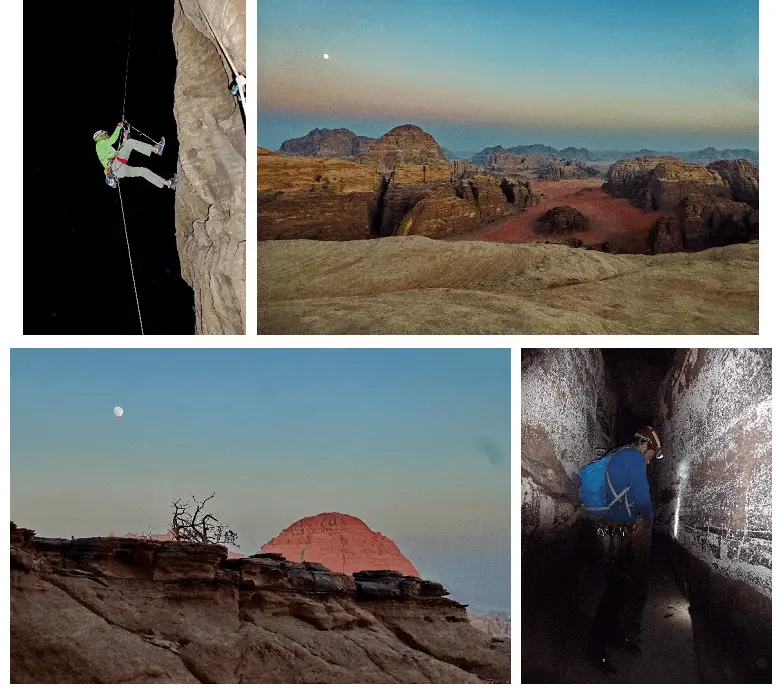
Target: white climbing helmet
{"x":97,"y":133}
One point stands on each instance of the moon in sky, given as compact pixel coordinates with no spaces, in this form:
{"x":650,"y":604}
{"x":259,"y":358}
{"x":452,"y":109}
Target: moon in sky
{"x":118,"y":411}
{"x":326,"y":56}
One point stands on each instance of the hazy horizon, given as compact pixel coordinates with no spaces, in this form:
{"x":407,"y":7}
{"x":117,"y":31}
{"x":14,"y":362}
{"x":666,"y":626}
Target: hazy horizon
{"x":396,"y":438}
{"x":680,"y":75}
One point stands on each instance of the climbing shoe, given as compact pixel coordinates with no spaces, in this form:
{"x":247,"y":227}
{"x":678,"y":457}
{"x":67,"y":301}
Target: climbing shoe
{"x":161,"y":145}
{"x":172,"y":185}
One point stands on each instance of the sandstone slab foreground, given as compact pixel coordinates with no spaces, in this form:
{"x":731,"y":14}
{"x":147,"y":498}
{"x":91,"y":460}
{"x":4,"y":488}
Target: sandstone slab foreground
{"x":123,"y":610}
{"x":416,"y":285}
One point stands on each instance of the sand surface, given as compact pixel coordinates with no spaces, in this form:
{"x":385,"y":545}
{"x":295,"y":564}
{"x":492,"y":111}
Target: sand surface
{"x":614,"y":220}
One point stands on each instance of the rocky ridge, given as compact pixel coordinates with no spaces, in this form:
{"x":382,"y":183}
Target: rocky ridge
{"x":328,"y":143}
{"x":210,"y":207}
{"x":123,"y":610}
{"x":340,"y":542}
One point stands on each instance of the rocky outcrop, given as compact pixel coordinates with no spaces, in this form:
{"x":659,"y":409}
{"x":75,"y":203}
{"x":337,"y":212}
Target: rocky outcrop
{"x":701,"y":222}
{"x":495,"y":624}
{"x":122,"y":610}
{"x":407,"y":144}
{"x":562,"y":220}
{"x":698,"y":200}
{"x":556,"y":169}
{"x":464,"y":205}
{"x":315,"y":198}
{"x":340,"y":542}
{"x":210,"y":198}
{"x":328,"y":143}
{"x":742,"y":178}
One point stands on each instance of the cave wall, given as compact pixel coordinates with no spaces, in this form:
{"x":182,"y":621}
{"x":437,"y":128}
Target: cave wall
{"x":716,"y":411}
{"x":210,"y":196}
{"x":568,"y":411}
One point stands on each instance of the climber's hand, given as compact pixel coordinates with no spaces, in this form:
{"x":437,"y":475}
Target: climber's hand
{"x":121,"y":125}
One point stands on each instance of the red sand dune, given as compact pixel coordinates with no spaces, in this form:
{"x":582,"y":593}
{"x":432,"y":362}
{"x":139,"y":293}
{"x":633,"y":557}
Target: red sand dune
{"x":615,"y":220}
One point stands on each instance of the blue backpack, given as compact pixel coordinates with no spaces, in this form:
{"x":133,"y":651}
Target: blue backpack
{"x":596,"y":491}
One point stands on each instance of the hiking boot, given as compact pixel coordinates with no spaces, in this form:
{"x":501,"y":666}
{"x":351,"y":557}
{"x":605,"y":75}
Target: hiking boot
{"x":161,"y":145}
{"x":601,"y":662}
{"x":172,"y":181}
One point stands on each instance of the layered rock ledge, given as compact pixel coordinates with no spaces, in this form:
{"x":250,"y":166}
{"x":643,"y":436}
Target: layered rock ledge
{"x":123,"y":610}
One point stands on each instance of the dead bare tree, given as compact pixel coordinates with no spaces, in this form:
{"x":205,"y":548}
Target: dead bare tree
{"x":191,"y":523}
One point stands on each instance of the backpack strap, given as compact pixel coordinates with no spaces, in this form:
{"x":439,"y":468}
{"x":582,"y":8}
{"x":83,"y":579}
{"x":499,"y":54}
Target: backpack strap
{"x":617,"y":497}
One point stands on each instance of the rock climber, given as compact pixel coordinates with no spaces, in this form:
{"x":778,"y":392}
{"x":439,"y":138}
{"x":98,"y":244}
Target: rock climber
{"x":115,"y":162}
{"x":624,"y":537}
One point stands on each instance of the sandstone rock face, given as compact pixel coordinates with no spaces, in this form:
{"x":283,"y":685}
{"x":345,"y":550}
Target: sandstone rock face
{"x":210,"y":198}
{"x":562,"y":220}
{"x":328,"y":143}
{"x":122,"y":610}
{"x":315,"y":198}
{"x":556,"y":170}
{"x":629,"y":178}
{"x":701,"y":222}
{"x":465,"y":205}
{"x":416,"y":285}
{"x":405,"y":144}
{"x":495,"y":624}
{"x":340,"y":542}
{"x":742,"y":178}
{"x":698,"y":200}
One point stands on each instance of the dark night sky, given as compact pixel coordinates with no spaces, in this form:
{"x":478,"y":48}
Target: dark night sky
{"x":76,"y":271}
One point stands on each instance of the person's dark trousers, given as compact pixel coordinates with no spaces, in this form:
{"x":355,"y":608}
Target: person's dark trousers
{"x":624,"y":595}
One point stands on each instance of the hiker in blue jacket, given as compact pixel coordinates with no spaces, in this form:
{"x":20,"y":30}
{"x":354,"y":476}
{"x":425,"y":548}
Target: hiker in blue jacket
{"x":619,"y":616}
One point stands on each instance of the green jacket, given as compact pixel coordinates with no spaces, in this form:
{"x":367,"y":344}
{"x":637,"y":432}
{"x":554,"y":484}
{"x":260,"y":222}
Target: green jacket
{"x":105,"y":151}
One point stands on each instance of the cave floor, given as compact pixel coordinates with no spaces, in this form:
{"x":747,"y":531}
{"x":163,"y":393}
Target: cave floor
{"x":554,"y":640}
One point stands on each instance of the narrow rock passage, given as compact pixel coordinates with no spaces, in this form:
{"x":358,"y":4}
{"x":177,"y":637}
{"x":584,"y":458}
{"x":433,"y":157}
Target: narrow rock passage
{"x":553,"y":643}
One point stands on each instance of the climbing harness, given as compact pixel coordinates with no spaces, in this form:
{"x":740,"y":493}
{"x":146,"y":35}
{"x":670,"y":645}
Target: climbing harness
{"x":238,"y":86}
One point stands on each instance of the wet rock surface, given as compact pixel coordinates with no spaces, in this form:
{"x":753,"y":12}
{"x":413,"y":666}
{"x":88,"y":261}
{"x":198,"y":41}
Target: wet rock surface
{"x":210,"y":196}
{"x":123,"y":610}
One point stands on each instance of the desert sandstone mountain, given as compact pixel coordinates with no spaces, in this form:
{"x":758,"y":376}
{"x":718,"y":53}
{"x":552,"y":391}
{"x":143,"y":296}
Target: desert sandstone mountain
{"x":341,"y":542}
{"x":124,"y":610}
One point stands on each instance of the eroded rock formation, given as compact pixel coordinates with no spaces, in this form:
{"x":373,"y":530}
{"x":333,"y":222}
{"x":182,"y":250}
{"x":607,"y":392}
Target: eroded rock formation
{"x":315,"y":198}
{"x":122,"y":610}
{"x":328,"y":143}
{"x":562,"y":220}
{"x":705,"y":206}
{"x":407,"y":144}
{"x":340,"y":542}
{"x":210,"y":197}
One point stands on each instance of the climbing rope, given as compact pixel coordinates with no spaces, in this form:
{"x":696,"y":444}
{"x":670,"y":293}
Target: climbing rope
{"x":127,"y":63}
{"x":119,"y":186}
{"x":129,"y":257}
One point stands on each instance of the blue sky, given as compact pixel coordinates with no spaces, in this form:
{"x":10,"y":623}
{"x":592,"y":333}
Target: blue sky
{"x":402,"y":439}
{"x":601,"y":73}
